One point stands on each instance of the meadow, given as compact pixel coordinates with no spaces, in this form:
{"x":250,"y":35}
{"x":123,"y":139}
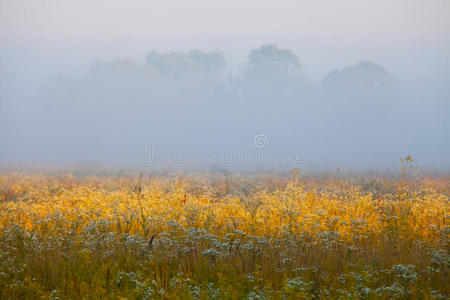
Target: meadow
{"x":224,"y":236}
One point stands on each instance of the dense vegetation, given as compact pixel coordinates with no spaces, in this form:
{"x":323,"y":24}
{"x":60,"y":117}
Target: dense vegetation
{"x":221,"y":236}
{"x":201,"y":100}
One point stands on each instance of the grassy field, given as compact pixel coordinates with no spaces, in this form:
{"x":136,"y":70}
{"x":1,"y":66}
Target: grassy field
{"x":224,"y":236}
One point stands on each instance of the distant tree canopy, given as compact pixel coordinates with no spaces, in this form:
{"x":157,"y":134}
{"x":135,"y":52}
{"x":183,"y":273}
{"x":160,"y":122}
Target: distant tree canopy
{"x":271,"y":71}
{"x":271,"y":59}
{"x":364,"y":93}
{"x":198,"y":65}
{"x":178,"y":92}
{"x":192,"y":98}
{"x":362,"y":78}
{"x":270,"y":75}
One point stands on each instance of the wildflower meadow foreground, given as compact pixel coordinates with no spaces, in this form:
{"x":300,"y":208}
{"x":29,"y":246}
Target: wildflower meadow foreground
{"x":223,"y":236}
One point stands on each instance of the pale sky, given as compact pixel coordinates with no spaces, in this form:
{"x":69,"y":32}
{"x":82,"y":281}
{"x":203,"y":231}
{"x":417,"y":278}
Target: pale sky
{"x":114,"y":18}
{"x":411,"y":38}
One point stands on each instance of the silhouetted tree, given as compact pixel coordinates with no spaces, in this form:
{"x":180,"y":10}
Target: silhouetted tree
{"x":271,"y":72}
{"x":362,"y":80}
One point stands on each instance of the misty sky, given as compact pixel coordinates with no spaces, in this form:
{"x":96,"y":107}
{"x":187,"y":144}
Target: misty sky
{"x":409,"y":38}
{"x":67,"y":36}
{"x":113,"y":18}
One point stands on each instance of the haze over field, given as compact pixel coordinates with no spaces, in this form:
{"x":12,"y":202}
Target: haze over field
{"x":345,"y":84}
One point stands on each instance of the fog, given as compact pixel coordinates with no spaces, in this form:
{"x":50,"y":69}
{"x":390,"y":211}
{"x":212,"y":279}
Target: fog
{"x":217,"y":98}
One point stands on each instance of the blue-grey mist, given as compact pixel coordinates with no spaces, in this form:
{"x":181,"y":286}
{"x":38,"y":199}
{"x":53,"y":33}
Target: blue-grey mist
{"x":349,"y":98}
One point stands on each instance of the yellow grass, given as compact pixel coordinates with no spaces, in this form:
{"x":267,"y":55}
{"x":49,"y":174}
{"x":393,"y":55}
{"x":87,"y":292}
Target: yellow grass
{"x":204,"y":236}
